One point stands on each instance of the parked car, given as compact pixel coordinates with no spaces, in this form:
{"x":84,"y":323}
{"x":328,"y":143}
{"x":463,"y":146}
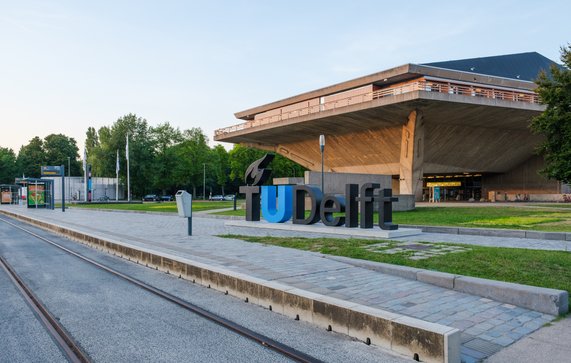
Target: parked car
{"x":229,"y":197}
{"x":167,"y":198}
{"x":151,"y":198}
{"x":217,"y":197}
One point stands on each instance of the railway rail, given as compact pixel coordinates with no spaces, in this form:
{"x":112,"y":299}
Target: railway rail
{"x":71,"y":348}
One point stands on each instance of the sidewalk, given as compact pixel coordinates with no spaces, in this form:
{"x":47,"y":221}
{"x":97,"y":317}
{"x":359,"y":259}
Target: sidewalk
{"x":487,"y":326}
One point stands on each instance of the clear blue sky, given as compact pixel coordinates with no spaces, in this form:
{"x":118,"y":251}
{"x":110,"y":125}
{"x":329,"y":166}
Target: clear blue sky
{"x":68,"y":65}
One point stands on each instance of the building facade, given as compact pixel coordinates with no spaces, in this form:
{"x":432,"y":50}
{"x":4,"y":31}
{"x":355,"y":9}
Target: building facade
{"x":459,"y":128}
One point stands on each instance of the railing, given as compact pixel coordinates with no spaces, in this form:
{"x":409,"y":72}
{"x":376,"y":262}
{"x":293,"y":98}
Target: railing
{"x":429,"y":86}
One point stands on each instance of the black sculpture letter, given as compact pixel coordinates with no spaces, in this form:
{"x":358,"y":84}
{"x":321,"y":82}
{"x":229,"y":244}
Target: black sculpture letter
{"x":385,"y":199}
{"x":330,"y":204}
{"x":367,"y":203}
{"x":315,"y":195}
{"x":351,"y":208}
{"x":256,"y":174}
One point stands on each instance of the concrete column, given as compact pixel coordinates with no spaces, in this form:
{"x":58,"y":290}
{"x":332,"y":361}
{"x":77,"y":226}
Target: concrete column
{"x":412,"y":156}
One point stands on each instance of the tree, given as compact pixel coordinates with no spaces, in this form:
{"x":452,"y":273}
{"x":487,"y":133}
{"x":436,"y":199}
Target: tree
{"x":31,"y":158}
{"x":102,"y":151}
{"x":192,"y":153}
{"x":555,"y":122}
{"x":58,"y":148}
{"x":221,"y":166}
{"x":165,"y":137}
{"x":7,"y":166}
{"x":241,"y":157}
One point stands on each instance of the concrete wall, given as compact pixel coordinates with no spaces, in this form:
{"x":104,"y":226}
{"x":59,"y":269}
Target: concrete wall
{"x":335,"y":183}
{"x":523,"y":181}
{"x":75,"y":187}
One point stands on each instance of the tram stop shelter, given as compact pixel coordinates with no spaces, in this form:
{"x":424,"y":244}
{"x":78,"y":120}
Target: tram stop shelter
{"x":9,"y":194}
{"x":38,"y":193}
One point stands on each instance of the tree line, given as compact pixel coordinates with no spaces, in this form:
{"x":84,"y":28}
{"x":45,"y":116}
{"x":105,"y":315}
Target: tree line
{"x":162,"y":158}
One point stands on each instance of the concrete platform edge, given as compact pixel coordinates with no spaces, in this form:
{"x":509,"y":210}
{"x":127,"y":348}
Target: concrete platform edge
{"x":548,"y":301}
{"x":493,"y":232}
{"x":405,"y":335}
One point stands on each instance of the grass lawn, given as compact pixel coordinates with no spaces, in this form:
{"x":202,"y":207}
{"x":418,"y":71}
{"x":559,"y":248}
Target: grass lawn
{"x":197,"y":206}
{"x":550,"y":269}
{"x":559,"y":205}
{"x":527,"y":218}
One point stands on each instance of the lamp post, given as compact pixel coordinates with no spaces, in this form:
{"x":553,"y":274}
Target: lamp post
{"x":68,"y":179}
{"x":204,"y":181}
{"x":322,"y":147}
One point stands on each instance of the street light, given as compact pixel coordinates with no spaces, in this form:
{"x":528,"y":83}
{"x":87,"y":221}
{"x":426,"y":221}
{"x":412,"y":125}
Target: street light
{"x":204,"y":182}
{"x":68,"y":180}
{"x":322,"y":147}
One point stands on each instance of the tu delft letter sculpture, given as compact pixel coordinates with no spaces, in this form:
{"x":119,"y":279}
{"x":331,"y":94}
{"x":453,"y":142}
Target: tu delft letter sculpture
{"x":279,"y":204}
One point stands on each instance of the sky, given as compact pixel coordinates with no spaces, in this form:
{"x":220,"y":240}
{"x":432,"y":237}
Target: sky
{"x":69,"y":65}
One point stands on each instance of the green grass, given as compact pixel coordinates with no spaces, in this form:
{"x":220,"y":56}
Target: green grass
{"x":489,"y":217}
{"x":551,"y":269}
{"x":170,"y":207}
{"x":560,"y":205}
{"x":526,"y":218}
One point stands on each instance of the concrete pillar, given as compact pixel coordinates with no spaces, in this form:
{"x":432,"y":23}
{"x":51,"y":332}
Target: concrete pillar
{"x":412,"y":155}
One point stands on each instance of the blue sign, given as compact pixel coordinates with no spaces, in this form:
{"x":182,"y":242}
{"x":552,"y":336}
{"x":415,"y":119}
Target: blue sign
{"x":437,"y":194}
{"x":52,"y":171}
{"x":283,"y":211}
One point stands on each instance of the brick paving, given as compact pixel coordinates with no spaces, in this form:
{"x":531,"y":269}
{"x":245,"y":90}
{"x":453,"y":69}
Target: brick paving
{"x":487,"y":325}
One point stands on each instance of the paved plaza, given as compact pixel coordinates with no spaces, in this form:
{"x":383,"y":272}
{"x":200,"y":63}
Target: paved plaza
{"x":487,"y":326}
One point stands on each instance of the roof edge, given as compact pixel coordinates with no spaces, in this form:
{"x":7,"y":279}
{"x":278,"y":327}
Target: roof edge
{"x":400,"y":73}
{"x":338,"y":87}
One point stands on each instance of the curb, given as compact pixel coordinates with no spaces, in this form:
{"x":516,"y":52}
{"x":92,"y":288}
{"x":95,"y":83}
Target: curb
{"x":548,"y":301}
{"x":409,"y":336}
{"x":513,"y":233}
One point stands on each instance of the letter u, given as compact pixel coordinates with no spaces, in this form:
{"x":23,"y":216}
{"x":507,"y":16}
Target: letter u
{"x":282,"y":212}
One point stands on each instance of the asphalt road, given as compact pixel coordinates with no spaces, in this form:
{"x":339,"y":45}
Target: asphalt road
{"x":114,"y":321}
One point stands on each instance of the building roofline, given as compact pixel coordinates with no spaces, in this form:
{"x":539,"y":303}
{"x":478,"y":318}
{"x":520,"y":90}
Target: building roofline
{"x":334,"y":88}
{"x":391,"y":75}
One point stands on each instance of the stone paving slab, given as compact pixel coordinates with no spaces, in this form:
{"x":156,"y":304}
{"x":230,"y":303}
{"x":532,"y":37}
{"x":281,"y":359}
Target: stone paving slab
{"x":492,"y":323}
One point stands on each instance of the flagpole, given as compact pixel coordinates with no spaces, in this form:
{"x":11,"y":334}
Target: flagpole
{"x":85,"y":174}
{"x":128,"y":176}
{"x":117,"y":178}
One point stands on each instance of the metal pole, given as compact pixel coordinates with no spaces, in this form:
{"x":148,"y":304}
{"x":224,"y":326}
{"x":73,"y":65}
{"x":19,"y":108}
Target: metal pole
{"x":84,"y":175}
{"x":322,"y":173}
{"x":128,"y":183}
{"x":204,"y":182}
{"x":68,"y":178}
{"x":189,"y":226}
{"x":63,"y":188}
{"x":322,"y":148}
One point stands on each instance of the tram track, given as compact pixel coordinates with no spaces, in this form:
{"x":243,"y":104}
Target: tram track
{"x":65,"y":342}
{"x":72,"y":346}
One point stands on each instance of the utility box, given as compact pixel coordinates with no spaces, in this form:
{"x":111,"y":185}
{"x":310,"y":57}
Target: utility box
{"x":184,"y":203}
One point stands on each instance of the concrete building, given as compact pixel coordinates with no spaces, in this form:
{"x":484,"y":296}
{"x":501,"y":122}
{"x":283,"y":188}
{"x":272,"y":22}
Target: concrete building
{"x":457,"y":127}
{"x":102,"y":188}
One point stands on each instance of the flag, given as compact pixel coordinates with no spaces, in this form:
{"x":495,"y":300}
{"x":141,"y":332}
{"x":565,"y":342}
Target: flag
{"x":84,"y":160}
{"x":117,"y":164}
{"x":127,"y":148}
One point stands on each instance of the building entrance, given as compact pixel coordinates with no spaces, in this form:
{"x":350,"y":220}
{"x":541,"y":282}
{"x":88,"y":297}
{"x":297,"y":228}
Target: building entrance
{"x":449,"y":188}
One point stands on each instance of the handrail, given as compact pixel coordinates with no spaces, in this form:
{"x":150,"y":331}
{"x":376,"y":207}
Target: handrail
{"x":420,"y":85}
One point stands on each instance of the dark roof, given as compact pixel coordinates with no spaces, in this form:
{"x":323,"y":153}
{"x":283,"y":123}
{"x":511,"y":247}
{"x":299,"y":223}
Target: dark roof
{"x":522,"y":66}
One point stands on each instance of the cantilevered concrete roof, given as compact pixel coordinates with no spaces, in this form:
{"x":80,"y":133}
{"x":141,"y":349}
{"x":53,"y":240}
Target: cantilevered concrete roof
{"x":513,"y":71}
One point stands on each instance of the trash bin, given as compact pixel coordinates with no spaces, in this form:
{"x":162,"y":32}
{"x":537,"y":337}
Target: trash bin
{"x":184,"y":207}
{"x":184,"y":203}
